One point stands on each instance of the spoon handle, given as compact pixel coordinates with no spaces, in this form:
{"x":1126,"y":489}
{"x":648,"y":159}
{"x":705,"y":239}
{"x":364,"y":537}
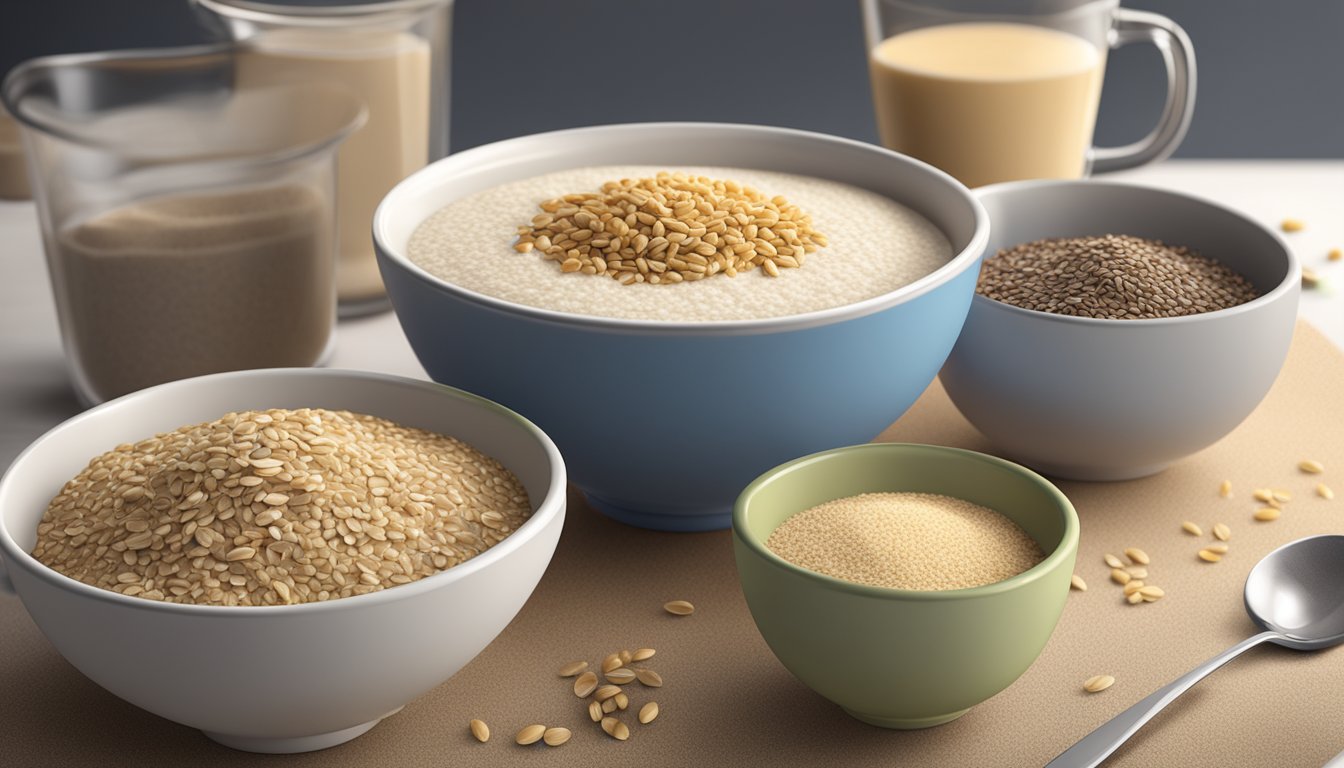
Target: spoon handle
{"x":1098,"y":745}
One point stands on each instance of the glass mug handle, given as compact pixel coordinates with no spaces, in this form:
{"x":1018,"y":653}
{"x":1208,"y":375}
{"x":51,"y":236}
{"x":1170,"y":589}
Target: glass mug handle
{"x":1179,"y":56}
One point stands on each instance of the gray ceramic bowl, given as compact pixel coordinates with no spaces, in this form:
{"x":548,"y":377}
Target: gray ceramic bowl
{"x":1090,"y":399}
{"x":289,"y":678}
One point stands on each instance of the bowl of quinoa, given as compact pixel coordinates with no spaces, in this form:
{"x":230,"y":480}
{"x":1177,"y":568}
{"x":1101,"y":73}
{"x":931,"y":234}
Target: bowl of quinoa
{"x":905,"y":583}
{"x":1118,"y":328}
{"x":681,"y":306}
{"x":280,"y":558}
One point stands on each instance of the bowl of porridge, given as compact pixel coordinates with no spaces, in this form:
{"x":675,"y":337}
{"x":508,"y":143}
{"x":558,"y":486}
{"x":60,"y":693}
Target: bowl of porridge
{"x":683,"y":306}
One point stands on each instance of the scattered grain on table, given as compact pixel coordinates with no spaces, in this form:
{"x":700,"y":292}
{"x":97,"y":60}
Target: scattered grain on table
{"x":479,"y":730}
{"x":1098,"y":683}
{"x":615,"y":728}
{"x":679,"y":608}
{"x":573,"y":668}
{"x":1137,"y":556}
{"x":530,"y":734}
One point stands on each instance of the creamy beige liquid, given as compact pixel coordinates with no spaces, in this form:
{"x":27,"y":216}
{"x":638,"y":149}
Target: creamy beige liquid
{"x":390,"y":72}
{"x":989,"y":101}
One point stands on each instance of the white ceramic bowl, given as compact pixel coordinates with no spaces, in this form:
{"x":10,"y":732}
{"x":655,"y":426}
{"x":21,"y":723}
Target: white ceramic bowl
{"x":1094,"y":399}
{"x":284,"y":678}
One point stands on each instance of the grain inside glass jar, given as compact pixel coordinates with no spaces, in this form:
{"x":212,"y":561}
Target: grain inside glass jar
{"x":278,"y":507}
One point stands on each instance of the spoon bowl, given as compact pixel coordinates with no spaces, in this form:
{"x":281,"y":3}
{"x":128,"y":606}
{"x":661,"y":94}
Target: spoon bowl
{"x":1297,"y":592}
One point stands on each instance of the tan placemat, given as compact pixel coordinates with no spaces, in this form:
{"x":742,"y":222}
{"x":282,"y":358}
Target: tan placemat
{"x":728,"y":702}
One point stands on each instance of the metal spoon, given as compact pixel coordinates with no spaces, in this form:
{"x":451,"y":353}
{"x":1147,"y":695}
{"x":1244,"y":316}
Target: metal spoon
{"x":1296,"y":593}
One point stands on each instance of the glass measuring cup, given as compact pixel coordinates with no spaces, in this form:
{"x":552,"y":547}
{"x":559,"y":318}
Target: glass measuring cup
{"x":188,"y":222}
{"x":392,"y":54}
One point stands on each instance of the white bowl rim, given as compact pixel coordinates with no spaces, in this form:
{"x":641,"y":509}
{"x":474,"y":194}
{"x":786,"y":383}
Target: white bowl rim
{"x":501,"y":152}
{"x":551,"y":506}
{"x":1288,"y":285}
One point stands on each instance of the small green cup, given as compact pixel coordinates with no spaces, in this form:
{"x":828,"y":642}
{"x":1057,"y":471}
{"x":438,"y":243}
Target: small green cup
{"x":904,"y":658}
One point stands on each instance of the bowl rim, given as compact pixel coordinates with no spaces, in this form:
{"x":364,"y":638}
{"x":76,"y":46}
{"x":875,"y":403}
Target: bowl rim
{"x":551,"y":506}
{"x":1067,"y":546}
{"x":516,"y":150}
{"x":1011,"y":189}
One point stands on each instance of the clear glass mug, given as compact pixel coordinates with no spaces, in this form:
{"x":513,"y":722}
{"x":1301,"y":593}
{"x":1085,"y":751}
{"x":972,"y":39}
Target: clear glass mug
{"x":189,"y":224}
{"x":392,"y":54}
{"x":999,"y":90}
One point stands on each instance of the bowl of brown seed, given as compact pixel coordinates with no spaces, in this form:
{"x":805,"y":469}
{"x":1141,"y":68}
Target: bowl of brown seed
{"x":1118,"y":328}
{"x":280,"y":558}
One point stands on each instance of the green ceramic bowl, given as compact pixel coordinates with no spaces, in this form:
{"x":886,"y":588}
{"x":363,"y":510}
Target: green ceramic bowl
{"x":904,"y":658}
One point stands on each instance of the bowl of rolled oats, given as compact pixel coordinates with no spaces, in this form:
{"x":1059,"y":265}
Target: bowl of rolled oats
{"x":280,"y":558}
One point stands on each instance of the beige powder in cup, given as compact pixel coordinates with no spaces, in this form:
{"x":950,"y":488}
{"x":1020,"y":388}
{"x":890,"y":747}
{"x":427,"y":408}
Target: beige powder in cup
{"x":182,"y":286}
{"x":922,"y":541}
{"x":390,"y":73}
{"x":13,"y":169}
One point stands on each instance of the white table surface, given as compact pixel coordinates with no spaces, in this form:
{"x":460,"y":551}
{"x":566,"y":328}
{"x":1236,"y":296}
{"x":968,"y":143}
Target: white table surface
{"x":35,"y":394}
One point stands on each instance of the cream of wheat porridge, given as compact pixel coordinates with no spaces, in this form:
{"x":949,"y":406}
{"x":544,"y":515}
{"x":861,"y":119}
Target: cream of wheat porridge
{"x":874,"y":245}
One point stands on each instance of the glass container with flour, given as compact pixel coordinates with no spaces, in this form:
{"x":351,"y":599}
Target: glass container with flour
{"x":188,"y":222}
{"x":392,"y":54}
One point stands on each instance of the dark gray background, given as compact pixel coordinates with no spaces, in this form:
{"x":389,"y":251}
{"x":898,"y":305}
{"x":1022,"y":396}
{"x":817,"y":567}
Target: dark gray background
{"x":1270,"y":80}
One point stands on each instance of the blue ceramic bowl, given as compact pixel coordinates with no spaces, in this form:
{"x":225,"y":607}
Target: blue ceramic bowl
{"x":803,"y":383}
